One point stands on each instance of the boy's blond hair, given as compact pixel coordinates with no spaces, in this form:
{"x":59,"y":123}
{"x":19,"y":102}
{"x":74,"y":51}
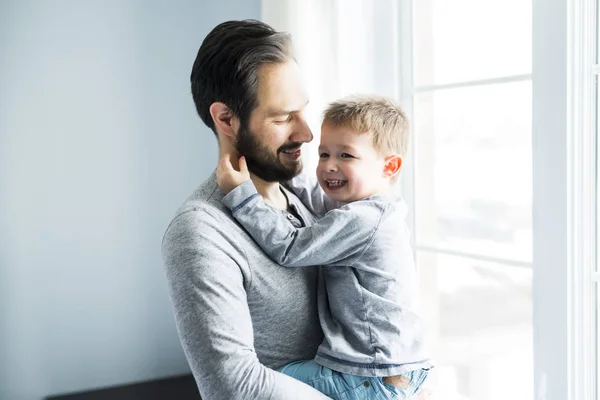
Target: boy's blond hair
{"x":376,"y":115}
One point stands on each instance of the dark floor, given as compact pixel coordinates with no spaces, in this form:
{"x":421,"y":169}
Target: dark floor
{"x":180,"y":388}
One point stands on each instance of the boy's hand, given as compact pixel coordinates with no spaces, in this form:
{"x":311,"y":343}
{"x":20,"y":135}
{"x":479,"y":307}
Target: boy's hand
{"x":228,"y":178}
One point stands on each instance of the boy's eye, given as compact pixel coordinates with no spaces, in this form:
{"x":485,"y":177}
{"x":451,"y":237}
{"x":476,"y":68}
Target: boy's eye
{"x":346,"y":155}
{"x":323,"y":155}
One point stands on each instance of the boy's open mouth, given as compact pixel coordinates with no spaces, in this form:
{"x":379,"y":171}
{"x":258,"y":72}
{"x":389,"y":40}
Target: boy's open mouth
{"x":335,"y":184}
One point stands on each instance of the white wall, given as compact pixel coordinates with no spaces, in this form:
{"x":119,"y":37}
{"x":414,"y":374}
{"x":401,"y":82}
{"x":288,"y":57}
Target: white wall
{"x":99,"y":144}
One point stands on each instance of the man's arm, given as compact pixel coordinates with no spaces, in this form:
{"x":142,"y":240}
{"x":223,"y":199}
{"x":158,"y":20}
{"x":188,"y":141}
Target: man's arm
{"x":204,"y":271}
{"x":339,"y":238}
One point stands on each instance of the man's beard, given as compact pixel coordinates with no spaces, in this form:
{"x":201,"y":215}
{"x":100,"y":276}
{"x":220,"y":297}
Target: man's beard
{"x":262,"y":162}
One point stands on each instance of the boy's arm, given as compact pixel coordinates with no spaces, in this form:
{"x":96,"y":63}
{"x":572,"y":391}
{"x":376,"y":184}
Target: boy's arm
{"x":308,"y":190}
{"x":204,"y":272}
{"x":305,"y":187}
{"x":339,"y":238}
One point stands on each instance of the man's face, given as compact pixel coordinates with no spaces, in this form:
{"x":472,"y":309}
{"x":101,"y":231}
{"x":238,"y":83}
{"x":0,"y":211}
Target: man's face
{"x":276,"y":130}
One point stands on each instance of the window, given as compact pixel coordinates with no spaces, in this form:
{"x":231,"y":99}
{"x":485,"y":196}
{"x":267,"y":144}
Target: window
{"x":472,"y":191}
{"x":501,"y":178}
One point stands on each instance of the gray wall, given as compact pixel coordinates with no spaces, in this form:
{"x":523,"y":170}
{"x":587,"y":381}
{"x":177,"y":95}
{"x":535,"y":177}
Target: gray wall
{"x":99,"y":144}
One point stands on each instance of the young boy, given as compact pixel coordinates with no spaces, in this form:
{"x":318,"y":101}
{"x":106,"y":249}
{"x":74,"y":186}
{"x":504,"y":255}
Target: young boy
{"x":374,"y":336}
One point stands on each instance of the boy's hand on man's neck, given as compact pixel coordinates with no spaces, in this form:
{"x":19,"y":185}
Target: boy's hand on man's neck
{"x":270,"y":191}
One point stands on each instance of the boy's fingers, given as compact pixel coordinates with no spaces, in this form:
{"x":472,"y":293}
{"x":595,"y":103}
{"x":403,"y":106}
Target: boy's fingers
{"x":243,"y":165}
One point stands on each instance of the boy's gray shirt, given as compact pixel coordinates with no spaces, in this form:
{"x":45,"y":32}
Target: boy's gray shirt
{"x":239,"y":314}
{"x":369,"y":308}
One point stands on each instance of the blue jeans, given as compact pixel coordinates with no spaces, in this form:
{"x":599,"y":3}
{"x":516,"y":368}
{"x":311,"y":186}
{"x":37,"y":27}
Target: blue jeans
{"x":340,"y":386}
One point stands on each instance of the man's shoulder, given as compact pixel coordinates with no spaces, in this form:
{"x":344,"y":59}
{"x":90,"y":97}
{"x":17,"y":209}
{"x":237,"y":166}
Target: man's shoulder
{"x":202,"y":238}
{"x":201,"y":212}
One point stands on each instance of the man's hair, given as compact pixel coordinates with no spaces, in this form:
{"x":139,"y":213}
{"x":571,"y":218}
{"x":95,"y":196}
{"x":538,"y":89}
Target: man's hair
{"x":226,"y":67}
{"x":379,"y":116}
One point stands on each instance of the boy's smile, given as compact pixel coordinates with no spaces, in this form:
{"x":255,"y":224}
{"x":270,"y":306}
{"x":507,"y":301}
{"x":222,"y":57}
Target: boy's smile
{"x":333,"y":184}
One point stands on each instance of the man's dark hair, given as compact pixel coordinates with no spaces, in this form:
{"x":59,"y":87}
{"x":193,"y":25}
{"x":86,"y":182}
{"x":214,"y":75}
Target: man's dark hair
{"x":226,"y":67}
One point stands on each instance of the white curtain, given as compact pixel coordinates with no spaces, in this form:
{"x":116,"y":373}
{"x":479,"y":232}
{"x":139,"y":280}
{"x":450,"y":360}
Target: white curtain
{"x":343,"y":47}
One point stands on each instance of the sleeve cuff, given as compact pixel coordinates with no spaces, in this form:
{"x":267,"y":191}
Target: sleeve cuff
{"x":240,"y":196}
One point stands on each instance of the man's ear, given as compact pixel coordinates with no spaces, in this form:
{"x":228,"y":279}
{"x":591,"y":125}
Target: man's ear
{"x":392,"y":166}
{"x":226,"y":123}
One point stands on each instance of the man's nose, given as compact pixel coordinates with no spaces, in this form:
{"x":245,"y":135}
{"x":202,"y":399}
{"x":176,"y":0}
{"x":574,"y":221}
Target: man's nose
{"x":302,"y":132}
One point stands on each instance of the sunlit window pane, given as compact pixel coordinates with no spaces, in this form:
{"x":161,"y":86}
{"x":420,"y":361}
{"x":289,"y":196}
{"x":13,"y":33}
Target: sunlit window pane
{"x":473,"y":170}
{"x":465,"y":40}
{"x":481,"y":328}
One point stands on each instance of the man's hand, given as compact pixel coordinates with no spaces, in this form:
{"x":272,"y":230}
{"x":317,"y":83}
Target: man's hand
{"x":228,"y":178}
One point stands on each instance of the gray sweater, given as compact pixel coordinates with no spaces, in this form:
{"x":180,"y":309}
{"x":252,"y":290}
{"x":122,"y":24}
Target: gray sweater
{"x":369,"y":313}
{"x":239,"y":314}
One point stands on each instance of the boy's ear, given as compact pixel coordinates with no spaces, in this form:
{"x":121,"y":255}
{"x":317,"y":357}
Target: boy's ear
{"x":392,"y":166}
{"x":226,"y":123}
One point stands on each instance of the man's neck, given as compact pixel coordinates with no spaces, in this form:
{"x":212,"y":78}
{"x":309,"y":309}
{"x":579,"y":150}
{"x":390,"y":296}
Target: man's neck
{"x":271,"y":192}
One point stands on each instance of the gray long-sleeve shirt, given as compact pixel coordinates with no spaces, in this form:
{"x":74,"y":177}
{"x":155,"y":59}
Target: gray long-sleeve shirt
{"x":239,"y":314}
{"x":369,"y":314}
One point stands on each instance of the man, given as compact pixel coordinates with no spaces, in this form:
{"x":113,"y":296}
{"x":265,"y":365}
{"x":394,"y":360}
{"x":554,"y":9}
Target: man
{"x":240,"y":315}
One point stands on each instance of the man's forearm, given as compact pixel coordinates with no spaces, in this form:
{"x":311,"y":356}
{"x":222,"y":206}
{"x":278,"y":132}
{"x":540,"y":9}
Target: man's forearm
{"x":248,"y":379}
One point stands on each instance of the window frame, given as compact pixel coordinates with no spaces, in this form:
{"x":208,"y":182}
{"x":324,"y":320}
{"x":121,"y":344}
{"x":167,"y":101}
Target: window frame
{"x":582,"y":177}
{"x":564,"y":199}
{"x":564,"y":191}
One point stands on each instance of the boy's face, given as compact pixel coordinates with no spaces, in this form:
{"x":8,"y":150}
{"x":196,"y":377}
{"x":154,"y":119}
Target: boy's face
{"x":350,"y":168}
